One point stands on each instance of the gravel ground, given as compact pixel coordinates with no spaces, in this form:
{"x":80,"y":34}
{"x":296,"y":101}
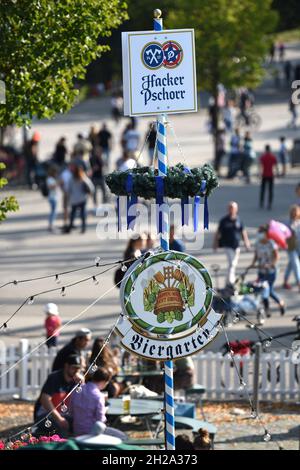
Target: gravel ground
{"x":235,"y":429}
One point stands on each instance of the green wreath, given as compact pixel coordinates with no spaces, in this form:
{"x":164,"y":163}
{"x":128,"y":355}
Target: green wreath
{"x":177,"y":184}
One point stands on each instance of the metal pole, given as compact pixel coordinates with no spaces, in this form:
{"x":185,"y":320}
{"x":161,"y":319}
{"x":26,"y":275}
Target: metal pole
{"x":256,"y":378}
{"x":164,"y":241}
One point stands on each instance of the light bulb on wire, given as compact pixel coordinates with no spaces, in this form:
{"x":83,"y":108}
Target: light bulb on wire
{"x":97,"y":260}
{"x":48,"y":423}
{"x":57,"y":280}
{"x":267,"y":436}
{"x":64,"y":408}
{"x":31,"y":300}
{"x":63,"y":292}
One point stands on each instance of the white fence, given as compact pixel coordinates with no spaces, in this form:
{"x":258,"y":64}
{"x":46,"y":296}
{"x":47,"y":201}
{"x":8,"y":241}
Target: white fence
{"x":279,"y":378}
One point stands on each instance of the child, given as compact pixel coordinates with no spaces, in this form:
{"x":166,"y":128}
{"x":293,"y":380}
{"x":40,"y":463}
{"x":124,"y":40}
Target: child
{"x":52,"y":324}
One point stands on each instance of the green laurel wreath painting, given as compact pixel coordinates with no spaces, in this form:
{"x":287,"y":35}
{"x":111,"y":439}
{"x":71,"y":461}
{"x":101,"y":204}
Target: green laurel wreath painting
{"x":167,"y":293}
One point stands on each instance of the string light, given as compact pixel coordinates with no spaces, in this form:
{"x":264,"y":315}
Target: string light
{"x":96,"y":282}
{"x":94,"y":368}
{"x":31,"y":300}
{"x":48,"y":423}
{"x":57,"y":280}
{"x":242,"y":385}
{"x":64,"y":408}
{"x":267,"y":436}
{"x":79,"y":388}
{"x":63,"y":292}
{"x":268,"y":342}
{"x":97,"y":260}
{"x":55,"y":275}
{"x":253,"y":414}
{"x":235,"y":319}
{"x":124,"y":268}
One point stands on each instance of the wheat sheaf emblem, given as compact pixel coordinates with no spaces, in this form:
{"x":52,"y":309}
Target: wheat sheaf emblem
{"x":167,"y":294}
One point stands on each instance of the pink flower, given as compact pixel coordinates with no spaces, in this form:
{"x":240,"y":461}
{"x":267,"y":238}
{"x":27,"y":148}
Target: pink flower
{"x":56,"y":438}
{"x":44,"y":439}
{"x":32,"y":440}
{"x":17,"y":444}
{"x":2,"y":445}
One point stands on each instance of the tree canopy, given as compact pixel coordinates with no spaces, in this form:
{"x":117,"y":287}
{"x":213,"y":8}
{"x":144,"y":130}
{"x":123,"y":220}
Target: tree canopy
{"x":8,"y":203}
{"x":45,"y":45}
{"x":231,"y":38}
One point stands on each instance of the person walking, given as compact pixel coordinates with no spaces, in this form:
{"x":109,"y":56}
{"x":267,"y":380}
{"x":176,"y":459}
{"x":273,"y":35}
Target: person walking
{"x":228,"y":236}
{"x":283,"y":155}
{"x":293,"y":111}
{"x":105,"y":143}
{"x":131,"y":140}
{"x":248,"y":156}
{"x":52,"y":324}
{"x":97,"y":165}
{"x":268,"y":162}
{"x":235,"y":154}
{"x":79,"y":189}
{"x":293,"y":247}
{"x":152,"y":136}
{"x":61,"y":152}
{"x":52,"y":186}
{"x":31,"y":150}
{"x":220,"y":149}
{"x":64,"y":182}
{"x":266,"y":258}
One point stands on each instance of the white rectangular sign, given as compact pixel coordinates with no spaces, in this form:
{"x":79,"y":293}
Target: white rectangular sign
{"x":159,"y":72}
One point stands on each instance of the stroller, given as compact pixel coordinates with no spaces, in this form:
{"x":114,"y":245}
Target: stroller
{"x":244,"y":298}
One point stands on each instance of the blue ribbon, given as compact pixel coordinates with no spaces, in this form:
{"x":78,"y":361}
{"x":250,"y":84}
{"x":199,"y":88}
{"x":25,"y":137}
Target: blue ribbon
{"x":196,"y":212}
{"x":131,"y":201}
{"x":185,"y":204}
{"x":160,"y":191}
{"x":206,"y":213}
{"x":197,"y":207}
{"x":118,"y":214}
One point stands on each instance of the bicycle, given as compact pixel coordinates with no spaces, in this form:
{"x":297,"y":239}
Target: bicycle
{"x":249,"y":118}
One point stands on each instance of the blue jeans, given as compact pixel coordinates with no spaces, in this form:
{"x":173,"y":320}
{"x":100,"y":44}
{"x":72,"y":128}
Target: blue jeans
{"x":269,"y":291}
{"x":293,"y":265}
{"x":52,"y":216}
{"x":82,"y":209}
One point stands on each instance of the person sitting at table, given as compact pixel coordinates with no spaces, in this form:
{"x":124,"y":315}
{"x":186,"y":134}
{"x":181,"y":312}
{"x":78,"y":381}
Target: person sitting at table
{"x":55,"y":390}
{"x":183,"y":442}
{"x":107,"y":360}
{"x":154,"y":383}
{"x":202,"y":441}
{"x":184,"y":373}
{"x":88,"y":407}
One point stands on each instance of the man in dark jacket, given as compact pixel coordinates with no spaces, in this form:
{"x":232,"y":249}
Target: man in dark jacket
{"x":74,"y":347}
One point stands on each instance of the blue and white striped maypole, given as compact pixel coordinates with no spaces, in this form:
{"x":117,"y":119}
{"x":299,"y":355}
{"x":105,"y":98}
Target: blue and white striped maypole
{"x":164,"y":241}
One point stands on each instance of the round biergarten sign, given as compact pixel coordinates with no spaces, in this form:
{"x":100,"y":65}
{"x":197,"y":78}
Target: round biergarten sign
{"x":167,"y":299}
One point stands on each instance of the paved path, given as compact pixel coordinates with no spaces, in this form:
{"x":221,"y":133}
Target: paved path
{"x":28,"y":250}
